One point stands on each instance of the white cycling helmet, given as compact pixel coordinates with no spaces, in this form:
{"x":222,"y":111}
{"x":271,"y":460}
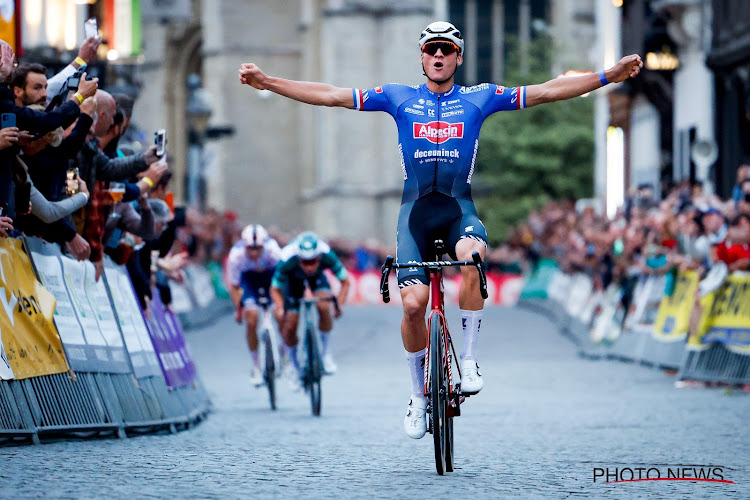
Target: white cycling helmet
{"x":442,"y":30}
{"x":254,"y":235}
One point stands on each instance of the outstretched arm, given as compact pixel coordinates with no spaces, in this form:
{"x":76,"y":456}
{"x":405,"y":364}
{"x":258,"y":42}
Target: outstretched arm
{"x":319,"y":94}
{"x":560,"y":89}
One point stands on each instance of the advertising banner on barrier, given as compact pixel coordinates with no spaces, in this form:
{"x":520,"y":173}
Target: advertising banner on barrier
{"x":89,"y":333}
{"x":607,"y":324}
{"x":169,"y":343}
{"x":538,"y":283}
{"x":653,"y":292}
{"x":729,"y":314}
{"x":133,"y":328}
{"x":31,"y":345}
{"x":673,"y":318}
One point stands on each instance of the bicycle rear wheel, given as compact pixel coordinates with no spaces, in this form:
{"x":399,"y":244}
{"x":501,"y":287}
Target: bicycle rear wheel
{"x":438,"y":394}
{"x":270,"y":372}
{"x":314,"y":371}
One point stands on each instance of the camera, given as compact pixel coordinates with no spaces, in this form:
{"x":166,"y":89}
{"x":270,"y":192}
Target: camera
{"x":73,"y":82}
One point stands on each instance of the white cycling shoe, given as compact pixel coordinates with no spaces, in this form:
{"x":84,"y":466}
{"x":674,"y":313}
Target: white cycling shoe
{"x":293,"y":377}
{"x":415,"y":421}
{"x":471,"y":379}
{"x":329,"y":365}
{"x":255,"y":378}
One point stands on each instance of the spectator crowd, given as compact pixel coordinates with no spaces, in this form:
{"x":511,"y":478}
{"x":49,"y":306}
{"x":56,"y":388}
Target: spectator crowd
{"x":685,"y":229}
{"x":65,"y":177}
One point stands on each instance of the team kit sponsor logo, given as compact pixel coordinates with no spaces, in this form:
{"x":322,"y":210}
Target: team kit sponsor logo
{"x":414,"y":111}
{"x":452,"y":113}
{"x":436,"y":153}
{"x":475,"y":88}
{"x":378,"y":90}
{"x":500,"y":90}
{"x":438,"y":132}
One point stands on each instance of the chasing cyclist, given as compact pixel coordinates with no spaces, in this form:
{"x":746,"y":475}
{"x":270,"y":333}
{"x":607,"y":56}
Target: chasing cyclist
{"x":438,"y":128}
{"x":250,"y":267}
{"x":302,"y":264}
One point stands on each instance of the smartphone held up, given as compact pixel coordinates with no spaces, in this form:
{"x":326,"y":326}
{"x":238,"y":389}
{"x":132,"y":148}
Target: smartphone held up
{"x":90,"y":28}
{"x":160,"y":140}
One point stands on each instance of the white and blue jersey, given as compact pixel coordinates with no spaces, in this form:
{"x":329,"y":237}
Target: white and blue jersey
{"x":438,"y":134}
{"x":253,"y":276}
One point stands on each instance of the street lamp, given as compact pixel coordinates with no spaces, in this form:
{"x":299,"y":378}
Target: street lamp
{"x":198,"y":113}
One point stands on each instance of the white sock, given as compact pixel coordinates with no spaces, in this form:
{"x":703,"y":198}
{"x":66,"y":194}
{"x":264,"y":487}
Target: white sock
{"x":255,"y":358}
{"x":325,"y":337}
{"x":416,"y":370}
{"x":470,"y":321}
{"x":292,"y":352}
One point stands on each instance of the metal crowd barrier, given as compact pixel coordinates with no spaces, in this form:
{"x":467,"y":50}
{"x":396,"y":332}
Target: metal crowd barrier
{"x":108,"y":398}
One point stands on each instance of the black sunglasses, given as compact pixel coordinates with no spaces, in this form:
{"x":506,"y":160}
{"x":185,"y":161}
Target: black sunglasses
{"x":309,"y":262}
{"x":747,"y":197}
{"x":447,"y":48}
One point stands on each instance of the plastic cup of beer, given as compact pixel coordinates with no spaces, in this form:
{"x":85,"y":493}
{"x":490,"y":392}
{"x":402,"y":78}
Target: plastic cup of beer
{"x":116,"y":190}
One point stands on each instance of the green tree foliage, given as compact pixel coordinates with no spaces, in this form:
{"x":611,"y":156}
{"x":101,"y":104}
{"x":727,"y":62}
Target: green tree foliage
{"x":529,"y":157}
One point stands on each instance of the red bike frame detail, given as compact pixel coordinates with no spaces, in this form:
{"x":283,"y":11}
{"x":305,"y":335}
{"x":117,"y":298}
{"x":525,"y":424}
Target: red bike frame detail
{"x":437,"y":308}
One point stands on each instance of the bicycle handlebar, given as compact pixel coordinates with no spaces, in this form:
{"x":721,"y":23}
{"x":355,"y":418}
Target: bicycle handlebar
{"x":330,"y":298}
{"x":389,"y":264}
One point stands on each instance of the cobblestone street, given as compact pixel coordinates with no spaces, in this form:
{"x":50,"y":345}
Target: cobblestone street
{"x":545,"y":419}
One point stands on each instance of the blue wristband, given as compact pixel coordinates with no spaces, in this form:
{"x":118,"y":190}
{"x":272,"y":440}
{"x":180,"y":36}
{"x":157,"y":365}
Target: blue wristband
{"x":603,"y":78}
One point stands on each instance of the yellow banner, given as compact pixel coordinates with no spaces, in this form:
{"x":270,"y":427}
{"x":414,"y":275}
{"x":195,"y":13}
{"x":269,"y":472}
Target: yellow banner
{"x":730,"y":315}
{"x":27,"y":331}
{"x":673,"y":318}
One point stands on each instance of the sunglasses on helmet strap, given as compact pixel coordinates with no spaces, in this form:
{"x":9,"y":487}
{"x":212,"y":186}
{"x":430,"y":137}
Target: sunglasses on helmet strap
{"x":447,"y":48}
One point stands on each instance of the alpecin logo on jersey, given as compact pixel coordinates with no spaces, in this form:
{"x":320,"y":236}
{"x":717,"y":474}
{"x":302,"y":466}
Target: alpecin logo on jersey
{"x":438,"y":132}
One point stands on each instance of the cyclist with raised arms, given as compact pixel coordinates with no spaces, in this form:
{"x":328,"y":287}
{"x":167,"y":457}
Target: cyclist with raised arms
{"x":438,"y":128}
{"x":302,"y":264}
{"x":250,"y":267}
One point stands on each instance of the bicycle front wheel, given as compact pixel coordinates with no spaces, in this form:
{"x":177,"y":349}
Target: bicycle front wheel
{"x":270,"y":371}
{"x":438,"y":393}
{"x":314,"y":371}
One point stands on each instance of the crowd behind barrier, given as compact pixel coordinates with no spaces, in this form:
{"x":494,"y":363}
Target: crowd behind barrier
{"x":666,"y":282}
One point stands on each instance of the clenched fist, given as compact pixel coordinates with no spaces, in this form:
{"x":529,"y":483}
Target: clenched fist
{"x":250,"y":74}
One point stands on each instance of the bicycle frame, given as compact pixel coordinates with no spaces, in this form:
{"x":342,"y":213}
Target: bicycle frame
{"x":311,"y":342}
{"x":437,"y":312}
{"x":266,"y":324}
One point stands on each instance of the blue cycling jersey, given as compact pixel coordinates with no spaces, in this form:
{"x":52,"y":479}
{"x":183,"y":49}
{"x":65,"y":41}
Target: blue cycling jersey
{"x":438,"y":134}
